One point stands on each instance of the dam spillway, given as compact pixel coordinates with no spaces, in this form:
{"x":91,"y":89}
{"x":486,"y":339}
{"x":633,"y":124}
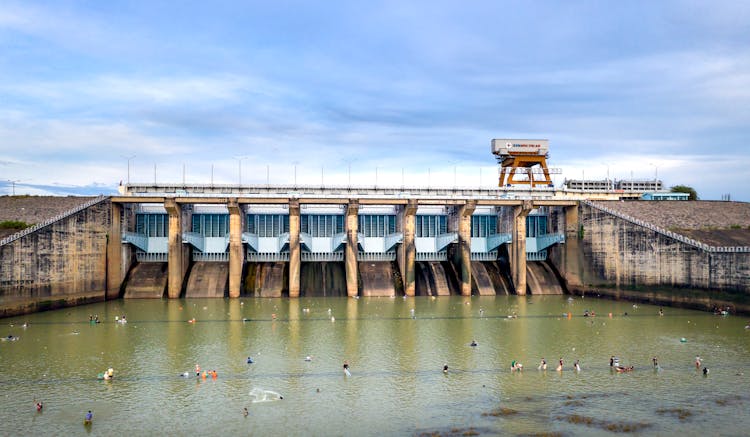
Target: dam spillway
{"x":377,"y":243}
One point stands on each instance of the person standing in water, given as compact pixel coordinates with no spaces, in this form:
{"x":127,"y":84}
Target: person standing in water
{"x":577,"y":366}
{"x":543,"y":364}
{"x":560,"y":365}
{"x":88,"y":418}
{"x":656,"y":363}
{"x":346,"y":368}
{"x":697,"y":362}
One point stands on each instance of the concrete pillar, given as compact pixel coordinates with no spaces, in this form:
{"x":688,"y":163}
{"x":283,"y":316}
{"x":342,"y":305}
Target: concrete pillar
{"x":408,"y":250}
{"x":236,"y":254}
{"x":350,"y":258}
{"x":114,"y":252}
{"x":175,"y":259}
{"x":464,"y":245}
{"x":295,"y":255}
{"x":571,"y":222}
{"x":518,"y":266}
{"x":572,"y":256}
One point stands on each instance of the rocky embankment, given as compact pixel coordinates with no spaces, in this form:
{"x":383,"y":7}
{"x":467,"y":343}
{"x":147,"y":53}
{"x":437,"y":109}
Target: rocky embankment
{"x":715,"y":223}
{"x":34,"y":209}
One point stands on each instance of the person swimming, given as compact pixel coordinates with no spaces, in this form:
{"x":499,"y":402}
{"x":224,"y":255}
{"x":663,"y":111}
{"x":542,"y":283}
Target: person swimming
{"x":39,"y":406}
{"x":656,"y":363}
{"x":698,"y":362}
{"x":245,"y":412}
{"x":308,"y":358}
{"x":473,"y":343}
{"x":542,"y":364}
{"x":560,"y":365}
{"x":445,"y":368}
{"x":577,"y":366}
{"x":346,"y":369}
{"x":705,"y":371}
{"x":250,"y":360}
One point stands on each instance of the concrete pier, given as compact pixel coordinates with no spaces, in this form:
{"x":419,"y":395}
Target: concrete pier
{"x":295,"y":255}
{"x":464,"y":245}
{"x":518,"y":246}
{"x":236,"y":254}
{"x":175,"y":258}
{"x":408,"y":250}
{"x":114,"y":252}
{"x":350,"y":257}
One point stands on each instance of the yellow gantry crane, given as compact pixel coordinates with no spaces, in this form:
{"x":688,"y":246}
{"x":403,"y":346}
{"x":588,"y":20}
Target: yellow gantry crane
{"x":523,"y":162}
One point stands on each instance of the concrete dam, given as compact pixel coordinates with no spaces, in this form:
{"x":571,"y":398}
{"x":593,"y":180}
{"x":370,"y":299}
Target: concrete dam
{"x":232,"y":241}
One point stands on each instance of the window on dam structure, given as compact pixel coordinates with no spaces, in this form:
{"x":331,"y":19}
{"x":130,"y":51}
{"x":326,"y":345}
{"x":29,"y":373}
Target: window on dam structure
{"x":536,"y":225}
{"x":377,"y":225}
{"x":322,"y":225}
{"x":211,"y":225}
{"x":483,"y":225}
{"x":152,"y":225}
{"x":267,"y":225}
{"x":431,"y":225}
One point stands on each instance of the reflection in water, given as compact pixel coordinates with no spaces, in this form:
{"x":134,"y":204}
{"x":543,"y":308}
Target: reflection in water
{"x":396,"y":349}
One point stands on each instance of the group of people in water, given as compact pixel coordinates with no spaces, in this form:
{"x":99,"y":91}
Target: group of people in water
{"x":206,"y":373}
{"x":94,"y":319}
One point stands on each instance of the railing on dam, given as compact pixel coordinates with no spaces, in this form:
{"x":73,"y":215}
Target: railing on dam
{"x":542,"y":242}
{"x":54,"y":219}
{"x":670,"y":234}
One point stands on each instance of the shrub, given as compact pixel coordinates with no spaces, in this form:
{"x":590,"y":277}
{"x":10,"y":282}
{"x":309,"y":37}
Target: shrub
{"x":14,"y":224}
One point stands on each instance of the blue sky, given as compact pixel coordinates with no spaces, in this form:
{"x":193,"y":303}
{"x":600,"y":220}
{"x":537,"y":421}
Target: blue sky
{"x":630,"y":88}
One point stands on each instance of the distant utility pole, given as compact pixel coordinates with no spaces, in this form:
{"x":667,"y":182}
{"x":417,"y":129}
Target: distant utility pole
{"x":13,"y":185}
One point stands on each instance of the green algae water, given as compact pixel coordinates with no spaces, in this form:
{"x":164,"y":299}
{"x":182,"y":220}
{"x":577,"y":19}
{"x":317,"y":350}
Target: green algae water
{"x":396,"y":356}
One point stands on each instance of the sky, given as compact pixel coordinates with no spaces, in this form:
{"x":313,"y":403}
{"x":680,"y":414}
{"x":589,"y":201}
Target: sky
{"x":378,"y":92}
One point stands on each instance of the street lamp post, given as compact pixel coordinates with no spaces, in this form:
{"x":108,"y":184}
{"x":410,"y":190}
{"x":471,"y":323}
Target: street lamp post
{"x":608,"y":184}
{"x":129,"y":158}
{"x":239,"y":161}
{"x":656,"y":175}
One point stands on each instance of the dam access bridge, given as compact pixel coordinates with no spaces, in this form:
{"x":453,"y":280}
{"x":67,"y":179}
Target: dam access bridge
{"x":219,"y":240}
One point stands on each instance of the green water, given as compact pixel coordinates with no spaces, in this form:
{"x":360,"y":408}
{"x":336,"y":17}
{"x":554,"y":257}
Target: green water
{"x":396,"y":386}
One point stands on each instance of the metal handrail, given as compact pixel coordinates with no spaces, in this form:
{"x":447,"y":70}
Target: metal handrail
{"x":670,"y":234}
{"x":57,"y":218}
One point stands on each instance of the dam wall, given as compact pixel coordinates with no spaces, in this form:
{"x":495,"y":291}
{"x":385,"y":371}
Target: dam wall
{"x":611,"y":253}
{"x":59,"y":262}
